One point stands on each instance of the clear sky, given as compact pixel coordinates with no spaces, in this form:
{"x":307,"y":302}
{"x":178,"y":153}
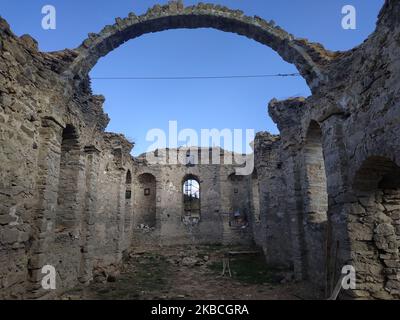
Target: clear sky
{"x":136,"y":106}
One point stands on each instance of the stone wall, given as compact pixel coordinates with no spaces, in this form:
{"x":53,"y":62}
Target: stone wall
{"x":272,"y":231}
{"x":220,"y":194}
{"x":56,"y":195}
{"x":328,"y":184}
{"x":357,"y":114}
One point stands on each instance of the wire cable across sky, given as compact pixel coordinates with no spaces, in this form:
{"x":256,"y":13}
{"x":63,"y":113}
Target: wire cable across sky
{"x":282,"y":75}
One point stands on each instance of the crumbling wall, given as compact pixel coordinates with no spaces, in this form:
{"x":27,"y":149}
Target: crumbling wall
{"x":272,"y":232}
{"x":358,"y":115}
{"x":355,"y":103}
{"x":49,"y":185}
{"x":216,"y":195}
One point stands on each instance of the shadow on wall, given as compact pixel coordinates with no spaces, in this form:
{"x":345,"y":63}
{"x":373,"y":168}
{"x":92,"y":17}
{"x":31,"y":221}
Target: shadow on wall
{"x":374,"y":229}
{"x":66,"y":219}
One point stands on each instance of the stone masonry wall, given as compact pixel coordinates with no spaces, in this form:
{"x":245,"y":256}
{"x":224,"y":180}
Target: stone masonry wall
{"x":216,"y":195}
{"x":50,"y":192}
{"x":272,"y":232}
{"x":358,"y":116}
{"x":327,"y":200}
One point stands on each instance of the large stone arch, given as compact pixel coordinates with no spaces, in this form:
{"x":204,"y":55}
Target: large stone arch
{"x":309,"y":58}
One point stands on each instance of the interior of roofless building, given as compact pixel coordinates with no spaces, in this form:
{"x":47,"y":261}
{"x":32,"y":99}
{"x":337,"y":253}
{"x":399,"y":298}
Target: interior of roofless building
{"x":201,"y":152}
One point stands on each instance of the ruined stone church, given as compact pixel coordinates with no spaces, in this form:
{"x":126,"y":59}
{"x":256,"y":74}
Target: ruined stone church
{"x":324,"y":194}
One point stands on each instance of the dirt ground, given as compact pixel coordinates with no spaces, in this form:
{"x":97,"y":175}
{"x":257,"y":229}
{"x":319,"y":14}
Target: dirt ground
{"x":193,"y":272}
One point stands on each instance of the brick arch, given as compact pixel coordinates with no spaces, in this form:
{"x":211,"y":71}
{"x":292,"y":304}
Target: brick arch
{"x":309,"y":58}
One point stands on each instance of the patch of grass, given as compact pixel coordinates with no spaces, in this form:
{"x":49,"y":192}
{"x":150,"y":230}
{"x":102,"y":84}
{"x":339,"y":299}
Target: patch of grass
{"x":215,"y":266}
{"x":249,"y":269}
{"x":208,"y":250}
{"x":151,"y":275}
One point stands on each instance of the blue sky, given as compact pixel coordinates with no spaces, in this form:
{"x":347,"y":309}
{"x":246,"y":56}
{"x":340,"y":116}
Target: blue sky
{"x":135,"y":107}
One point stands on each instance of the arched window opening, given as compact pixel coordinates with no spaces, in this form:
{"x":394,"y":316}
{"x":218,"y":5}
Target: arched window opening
{"x":128,"y":179}
{"x":191,"y":199}
{"x":128,"y":185}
